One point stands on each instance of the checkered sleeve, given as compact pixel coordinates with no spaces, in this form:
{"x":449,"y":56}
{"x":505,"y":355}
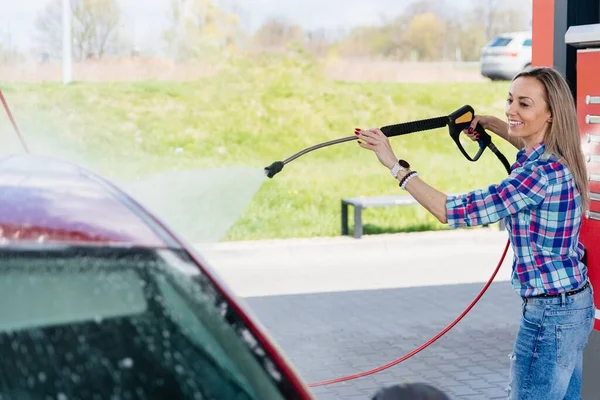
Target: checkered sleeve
{"x":524,"y":188}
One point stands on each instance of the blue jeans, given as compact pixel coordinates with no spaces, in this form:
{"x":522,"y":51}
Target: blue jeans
{"x":547,"y":359}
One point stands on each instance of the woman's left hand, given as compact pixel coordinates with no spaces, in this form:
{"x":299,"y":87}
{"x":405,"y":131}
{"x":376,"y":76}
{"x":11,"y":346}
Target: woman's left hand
{"x":373,"y":139}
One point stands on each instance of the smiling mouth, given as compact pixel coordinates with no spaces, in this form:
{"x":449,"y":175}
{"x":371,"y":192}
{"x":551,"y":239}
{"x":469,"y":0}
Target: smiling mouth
{"x":514,"y":124}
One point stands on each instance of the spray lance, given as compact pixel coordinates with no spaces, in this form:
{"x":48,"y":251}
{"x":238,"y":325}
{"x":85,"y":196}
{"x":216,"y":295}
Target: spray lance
{"x":456,"y":122}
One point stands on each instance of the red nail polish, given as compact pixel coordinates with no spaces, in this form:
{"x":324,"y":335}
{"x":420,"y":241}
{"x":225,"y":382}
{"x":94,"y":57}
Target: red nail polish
{"x":359,"y":142}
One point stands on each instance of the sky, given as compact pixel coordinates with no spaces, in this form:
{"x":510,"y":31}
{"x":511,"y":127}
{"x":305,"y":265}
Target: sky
{"x":145,"y":20}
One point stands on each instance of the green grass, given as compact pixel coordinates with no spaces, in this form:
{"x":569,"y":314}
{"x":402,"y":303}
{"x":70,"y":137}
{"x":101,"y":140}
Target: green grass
{"x":255,"y":112}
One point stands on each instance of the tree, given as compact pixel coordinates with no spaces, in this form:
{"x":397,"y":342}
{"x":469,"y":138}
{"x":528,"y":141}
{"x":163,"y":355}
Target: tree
{"x":95,"y":25}
{"x":472,"y":40}
{"x":398,"y":38}
{"x":318,"y":42}
{"x":48,"y":26}
{"x":94,"y":28}
{"x":423,"y":35}
{"x":474,"y":34}
{"x":499,"y":17}
{"x":277,"y":34}
{"x":199,"y":28}
{"x":366,"y":41}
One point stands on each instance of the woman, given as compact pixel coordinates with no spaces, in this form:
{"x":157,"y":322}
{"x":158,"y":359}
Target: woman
{"x":542,"y":202}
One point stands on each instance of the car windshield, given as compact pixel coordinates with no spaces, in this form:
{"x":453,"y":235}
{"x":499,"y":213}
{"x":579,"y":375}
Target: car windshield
{"x":500,"y":42}
{"x":101,"y":323}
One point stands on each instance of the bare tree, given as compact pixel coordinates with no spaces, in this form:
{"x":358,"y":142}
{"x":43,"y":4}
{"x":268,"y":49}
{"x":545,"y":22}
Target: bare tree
{"x":489,"y":10}
{"x":318,"y":42}
{"x":277,"y":33}
{"x":48,"y":30}
{"x":94,"y":28}
{"x":501,"y":16}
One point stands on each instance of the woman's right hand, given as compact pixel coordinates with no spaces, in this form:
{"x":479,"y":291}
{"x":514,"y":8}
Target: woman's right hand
{"x":483,"y":120}
{"x":492,"y":124}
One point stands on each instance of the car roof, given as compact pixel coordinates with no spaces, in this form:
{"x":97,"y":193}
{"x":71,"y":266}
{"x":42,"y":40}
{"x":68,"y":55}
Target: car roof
{"x":46,"y":200}
{"x":514,"y":34}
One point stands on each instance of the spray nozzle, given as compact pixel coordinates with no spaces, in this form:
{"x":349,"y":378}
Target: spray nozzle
{"x":277,"y":166}
{"x":274,"y":168}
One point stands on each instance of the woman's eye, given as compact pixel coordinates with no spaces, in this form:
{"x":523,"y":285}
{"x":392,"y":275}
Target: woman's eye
{"x":524,"y":105}
{"x":509,"y":101}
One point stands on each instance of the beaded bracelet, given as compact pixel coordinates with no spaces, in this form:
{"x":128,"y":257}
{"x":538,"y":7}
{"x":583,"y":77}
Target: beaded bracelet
{"x":407,"y":178}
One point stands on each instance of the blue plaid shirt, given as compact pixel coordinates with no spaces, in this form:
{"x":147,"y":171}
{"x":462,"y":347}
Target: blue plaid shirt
{"x":541,"y":208}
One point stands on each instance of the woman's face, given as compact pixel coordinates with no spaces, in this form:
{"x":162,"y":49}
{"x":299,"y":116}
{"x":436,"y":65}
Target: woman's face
{"x":527,"y":111}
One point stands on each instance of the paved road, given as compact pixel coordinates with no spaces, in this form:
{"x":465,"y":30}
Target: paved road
{"x":338,"y":306}
{"x":328,"y":335}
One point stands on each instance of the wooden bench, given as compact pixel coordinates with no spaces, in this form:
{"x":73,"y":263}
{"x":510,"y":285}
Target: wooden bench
{"x":360,"y":203}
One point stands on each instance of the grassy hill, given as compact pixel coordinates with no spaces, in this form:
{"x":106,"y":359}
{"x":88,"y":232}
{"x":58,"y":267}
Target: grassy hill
{"x":254,"y":112}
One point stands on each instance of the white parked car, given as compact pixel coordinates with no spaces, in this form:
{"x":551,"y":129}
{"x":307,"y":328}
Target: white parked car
{"x":506,"y":55}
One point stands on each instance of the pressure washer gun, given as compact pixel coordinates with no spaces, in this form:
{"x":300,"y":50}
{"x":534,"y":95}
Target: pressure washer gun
{"x":457,"y":122}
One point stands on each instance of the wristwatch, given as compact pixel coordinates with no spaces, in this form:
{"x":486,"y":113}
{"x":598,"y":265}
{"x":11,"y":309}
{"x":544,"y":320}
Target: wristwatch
{"x":401,"y":165}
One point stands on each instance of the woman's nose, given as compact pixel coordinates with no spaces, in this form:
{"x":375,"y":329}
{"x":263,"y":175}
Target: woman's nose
{"x":509,"y":109}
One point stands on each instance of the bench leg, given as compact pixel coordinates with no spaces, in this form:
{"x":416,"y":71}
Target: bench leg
{"x":344,"y":218}
{"x":358,"y":228}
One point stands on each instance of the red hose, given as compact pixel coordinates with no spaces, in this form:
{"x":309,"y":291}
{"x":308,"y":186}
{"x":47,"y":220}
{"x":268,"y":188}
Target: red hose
{"x":12,"y":120}
{"x":428,"y":343}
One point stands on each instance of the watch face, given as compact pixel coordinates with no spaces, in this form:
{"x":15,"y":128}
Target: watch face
{"x":403,"y":164}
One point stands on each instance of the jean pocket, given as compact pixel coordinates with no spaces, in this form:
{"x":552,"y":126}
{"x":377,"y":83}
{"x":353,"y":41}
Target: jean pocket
{"x":529,"y":318}
{"x":570,"y":341}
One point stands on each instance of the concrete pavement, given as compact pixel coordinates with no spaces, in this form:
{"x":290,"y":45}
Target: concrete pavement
{"x":339,"y":305}
{"x":333,"y":264}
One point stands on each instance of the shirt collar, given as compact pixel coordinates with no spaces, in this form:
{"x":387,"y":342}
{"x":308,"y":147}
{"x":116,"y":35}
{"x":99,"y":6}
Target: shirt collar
{"x":524,"y":156}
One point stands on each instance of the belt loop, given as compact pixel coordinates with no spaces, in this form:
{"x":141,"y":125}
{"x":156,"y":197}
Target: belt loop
{"x":563,"y":299}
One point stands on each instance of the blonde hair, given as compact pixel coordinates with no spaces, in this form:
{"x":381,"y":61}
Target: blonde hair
{"x":563,"y":137}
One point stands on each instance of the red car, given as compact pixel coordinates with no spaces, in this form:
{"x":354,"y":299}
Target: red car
{"x":100,"y":300}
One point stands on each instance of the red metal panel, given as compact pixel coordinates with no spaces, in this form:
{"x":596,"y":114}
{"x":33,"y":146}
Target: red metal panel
{"x":588,"y":84}
{"x":542,"y":30}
